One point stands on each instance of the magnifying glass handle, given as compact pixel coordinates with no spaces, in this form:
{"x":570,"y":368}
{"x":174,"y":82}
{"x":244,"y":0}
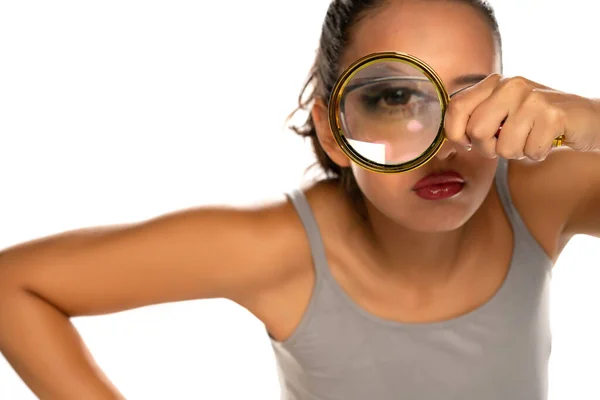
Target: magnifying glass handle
{"x":555,"y":143}
{"x":500,"y":128}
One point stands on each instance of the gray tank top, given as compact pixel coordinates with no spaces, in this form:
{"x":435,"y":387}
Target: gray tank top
{"x":499,"y":351}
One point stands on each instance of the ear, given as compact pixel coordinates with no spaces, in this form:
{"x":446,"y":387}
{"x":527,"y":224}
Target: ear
{"x":320,"y":117}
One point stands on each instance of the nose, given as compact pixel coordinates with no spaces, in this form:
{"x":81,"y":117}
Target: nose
{"x":447,"y":151}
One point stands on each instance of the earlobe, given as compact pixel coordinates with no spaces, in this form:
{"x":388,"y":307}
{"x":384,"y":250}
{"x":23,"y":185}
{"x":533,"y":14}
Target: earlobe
{"x":320,"y":117}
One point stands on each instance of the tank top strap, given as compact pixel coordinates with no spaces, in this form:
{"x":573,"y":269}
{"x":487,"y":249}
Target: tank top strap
{"x":306,"y":215}
{"x":522,"y":234}
{"x":503,"y":190}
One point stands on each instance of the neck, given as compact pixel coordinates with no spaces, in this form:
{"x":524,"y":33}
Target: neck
{"x":423,"y":258}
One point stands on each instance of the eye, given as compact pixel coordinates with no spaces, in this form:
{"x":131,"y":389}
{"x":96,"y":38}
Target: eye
{"x":387,"y":97}
{"x":394,"y":97}
{"x":400,"y":101}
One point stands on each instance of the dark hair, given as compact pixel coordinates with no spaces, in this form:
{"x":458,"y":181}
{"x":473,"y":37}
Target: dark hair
{"x":341,"y":17}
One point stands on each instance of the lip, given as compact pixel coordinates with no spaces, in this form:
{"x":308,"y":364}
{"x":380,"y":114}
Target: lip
{"x":438,"y":179}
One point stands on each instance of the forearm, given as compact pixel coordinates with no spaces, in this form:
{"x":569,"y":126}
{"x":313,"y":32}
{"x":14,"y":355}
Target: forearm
{"x":44,"y":348}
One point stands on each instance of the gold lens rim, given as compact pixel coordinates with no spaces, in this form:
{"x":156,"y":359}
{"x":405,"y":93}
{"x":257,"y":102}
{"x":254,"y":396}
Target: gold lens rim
{"x":335,"y":122}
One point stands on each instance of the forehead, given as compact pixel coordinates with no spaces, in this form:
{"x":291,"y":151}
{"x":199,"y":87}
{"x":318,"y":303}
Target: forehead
{"x":452,"y":37}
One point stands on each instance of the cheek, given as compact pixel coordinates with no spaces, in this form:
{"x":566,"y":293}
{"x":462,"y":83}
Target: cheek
{"x":377,"y":187}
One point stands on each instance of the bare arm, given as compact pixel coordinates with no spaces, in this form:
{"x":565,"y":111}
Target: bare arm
{"x":559,"y":197}
{"x":584,"y":215}
{"x":569,"y":184}
{"x":206,"y":253}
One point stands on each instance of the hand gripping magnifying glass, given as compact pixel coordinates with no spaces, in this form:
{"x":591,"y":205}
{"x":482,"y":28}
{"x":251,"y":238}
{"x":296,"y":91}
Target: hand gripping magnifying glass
{"x":386,"y":112}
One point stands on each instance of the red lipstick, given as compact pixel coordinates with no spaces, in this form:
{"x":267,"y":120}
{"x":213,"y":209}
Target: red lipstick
{"x":439,"y":186}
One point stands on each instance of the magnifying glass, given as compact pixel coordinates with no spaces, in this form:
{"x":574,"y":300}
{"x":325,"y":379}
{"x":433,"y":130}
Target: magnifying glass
{"x":386,"y":112}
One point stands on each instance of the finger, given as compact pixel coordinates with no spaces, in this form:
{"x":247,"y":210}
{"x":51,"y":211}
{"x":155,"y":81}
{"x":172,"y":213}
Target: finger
{"x":484,"y":124}
{"x":498,"y":108}
{"x":513,"y":136}
{"x":547,"y":126}
{"x":462,"y":105}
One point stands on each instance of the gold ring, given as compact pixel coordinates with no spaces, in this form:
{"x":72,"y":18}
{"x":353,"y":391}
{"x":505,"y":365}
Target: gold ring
{"x":559,"y":141}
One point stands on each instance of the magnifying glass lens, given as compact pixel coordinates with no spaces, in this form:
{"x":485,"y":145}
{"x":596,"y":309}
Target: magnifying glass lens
{"x":390,"y":112}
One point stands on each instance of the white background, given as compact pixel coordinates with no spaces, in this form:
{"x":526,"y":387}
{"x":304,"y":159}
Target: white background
{"x":117,"y":111}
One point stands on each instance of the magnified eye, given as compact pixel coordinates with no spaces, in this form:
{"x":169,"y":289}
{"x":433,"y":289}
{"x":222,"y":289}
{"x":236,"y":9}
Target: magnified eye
{"x":395,"y":100}
{"x":388,"y":97}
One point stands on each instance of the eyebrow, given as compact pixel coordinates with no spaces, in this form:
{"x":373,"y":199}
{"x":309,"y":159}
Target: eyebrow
{"x":469,"y":79}
{"x":397,"y":67}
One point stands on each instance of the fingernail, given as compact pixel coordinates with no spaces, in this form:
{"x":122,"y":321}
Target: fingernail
{"x":469,"y":147}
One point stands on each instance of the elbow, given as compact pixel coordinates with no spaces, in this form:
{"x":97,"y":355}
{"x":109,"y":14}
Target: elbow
{"x":10,"y":294}
{"x":12,"y":280}
{"x":8,"y":280}
{"x":10,"y":287}
{"x":16,"y":287}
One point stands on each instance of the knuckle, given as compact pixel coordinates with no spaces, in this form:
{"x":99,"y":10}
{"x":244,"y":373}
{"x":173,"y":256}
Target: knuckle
{"x":453,"y":135}
{"x":477,"y":131}
{"x":535,"y":99}
{"x":487,"y":148}
{"x":517,"y":83}
{"x":509,"y":152}
{"x":554,"y":115}
{"x":490,"y":154}
{"x":536,"y":153}
{"x":495,"y":77}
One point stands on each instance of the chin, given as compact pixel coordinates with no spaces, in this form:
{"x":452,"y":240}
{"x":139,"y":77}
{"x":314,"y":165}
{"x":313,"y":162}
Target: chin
{"x":430,"y":216}
{"x":435,"y":223}
{"x":435,"y":218}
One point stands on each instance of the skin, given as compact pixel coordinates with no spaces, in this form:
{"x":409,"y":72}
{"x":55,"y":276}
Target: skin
{"x":244,"y":254}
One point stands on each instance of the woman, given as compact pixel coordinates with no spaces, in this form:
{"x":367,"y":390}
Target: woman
{"x":367,"y":288}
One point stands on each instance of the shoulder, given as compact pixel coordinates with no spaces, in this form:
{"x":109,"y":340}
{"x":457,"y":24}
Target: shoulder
{"x":327,"y":205}
{"x":281,"y":304}
{"x":285,"y":225}
{"x":548,"y":194}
